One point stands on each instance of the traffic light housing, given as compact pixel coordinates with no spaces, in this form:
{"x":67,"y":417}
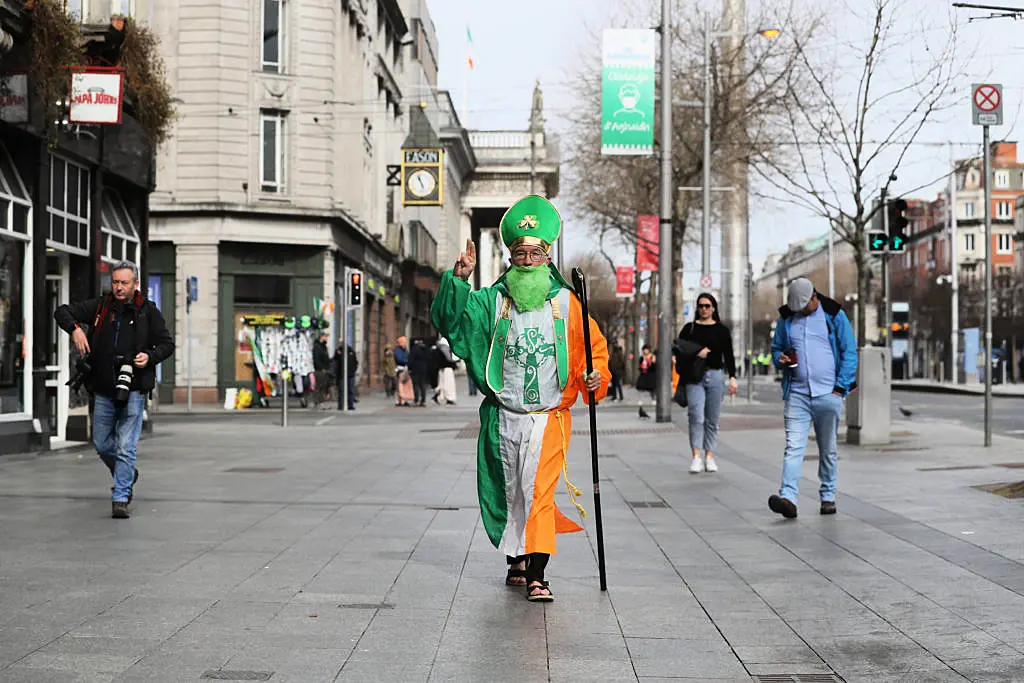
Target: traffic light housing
{"x":355,"y":288}
{"x":877,"y":242}
{"x":898,"y":223}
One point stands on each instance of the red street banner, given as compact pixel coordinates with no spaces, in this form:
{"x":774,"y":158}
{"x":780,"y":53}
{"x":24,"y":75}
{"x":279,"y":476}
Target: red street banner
{"x":625,"y":280}
{"x":647,"y":243}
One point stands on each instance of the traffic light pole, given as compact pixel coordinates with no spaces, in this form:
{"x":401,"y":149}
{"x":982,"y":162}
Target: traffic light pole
{"x":988,"y":285}
{"x":887,"y":315}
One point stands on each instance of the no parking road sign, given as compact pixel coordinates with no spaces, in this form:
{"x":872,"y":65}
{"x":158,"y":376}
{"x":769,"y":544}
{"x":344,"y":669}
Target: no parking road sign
{"x":987,"y":104}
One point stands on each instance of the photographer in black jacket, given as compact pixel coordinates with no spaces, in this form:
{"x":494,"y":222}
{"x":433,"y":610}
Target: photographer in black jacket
{"x":127,"y":339}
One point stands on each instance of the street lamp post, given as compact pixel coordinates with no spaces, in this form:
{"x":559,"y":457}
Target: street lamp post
{"x":666,"y":314}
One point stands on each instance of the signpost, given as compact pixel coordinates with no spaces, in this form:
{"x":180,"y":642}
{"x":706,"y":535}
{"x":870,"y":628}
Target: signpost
{"x":353,"y":301}
{"x":705,"y":281}
{"x":987,"y":110}
{"x":191,"y":296}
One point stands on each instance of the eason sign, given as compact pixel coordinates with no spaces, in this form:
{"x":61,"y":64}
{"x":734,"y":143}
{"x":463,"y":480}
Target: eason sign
{"x":987,"y":104}
{"x":96,"y":96}
{"x":627,"y":92}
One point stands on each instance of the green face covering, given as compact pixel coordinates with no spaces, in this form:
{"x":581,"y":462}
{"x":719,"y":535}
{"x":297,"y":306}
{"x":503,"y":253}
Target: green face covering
{"x":529,"y":286}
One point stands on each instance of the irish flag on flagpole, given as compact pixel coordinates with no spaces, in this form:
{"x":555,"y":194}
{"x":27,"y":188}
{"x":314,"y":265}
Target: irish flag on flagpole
{"x":469,"y":47}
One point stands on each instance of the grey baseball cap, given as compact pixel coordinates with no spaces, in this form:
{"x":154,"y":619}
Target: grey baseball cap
{"x":800,"y":292}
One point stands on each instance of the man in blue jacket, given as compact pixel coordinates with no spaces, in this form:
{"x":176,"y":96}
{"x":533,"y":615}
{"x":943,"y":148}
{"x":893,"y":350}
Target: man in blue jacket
{"x":816,"y":350}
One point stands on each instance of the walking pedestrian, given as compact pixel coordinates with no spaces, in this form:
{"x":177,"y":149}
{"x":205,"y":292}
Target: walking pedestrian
{"x":388,"y":370}
{"x":647,"y":380}
{"x":403,"y":379}
{"x":127,"y":339}
{"x":704,"y":376}
{"x":523,"y":342}
{"x":321,"y":370}
{"x":446,"y":363}
{"x":419,"y":369}
{"x":816,"y":350}
{"x":617,"y":366}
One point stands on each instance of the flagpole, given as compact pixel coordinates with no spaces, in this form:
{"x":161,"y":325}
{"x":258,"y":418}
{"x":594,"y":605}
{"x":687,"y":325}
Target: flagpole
{"x":466,"y":68}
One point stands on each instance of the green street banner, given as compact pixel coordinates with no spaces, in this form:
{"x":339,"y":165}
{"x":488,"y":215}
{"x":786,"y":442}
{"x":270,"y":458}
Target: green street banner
{"x":627,"y":92}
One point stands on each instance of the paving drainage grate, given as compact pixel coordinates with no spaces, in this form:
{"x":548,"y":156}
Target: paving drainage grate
{"x":440,"y":431}
{"x":607,"y":455}
{"x":222,"y":675}
{"x":1012,"y":465}
{"x":366,"y":605}
{"x":798,"y":678}
{"x":255,"y":470}
{"x":443,"y":508}
{"x":950,"y":468}
{"x":1006,"y":489}
{"x":646,"y":504}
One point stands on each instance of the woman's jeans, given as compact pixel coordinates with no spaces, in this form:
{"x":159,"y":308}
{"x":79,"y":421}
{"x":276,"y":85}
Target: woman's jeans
{"x":705,"y":409}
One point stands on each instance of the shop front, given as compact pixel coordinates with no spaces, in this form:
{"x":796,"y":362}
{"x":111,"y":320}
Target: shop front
{"x":380,"y":313}
{"x":260,"y":280}
{"x":16,"y":298}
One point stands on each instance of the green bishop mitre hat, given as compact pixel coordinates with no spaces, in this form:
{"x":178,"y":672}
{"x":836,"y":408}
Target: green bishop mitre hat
{"x":532,"y":220}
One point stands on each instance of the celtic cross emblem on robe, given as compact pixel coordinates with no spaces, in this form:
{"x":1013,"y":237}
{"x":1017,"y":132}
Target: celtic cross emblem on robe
{"x":530,"y":352}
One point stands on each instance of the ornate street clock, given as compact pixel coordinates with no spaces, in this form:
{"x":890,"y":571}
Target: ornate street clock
{"x":423,"y":177}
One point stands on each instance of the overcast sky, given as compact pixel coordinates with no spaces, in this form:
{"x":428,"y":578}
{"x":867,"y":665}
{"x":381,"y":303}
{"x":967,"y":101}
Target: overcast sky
{"x":516,"y":43}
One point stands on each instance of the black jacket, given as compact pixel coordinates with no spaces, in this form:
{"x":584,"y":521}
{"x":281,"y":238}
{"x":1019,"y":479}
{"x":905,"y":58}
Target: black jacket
{"x":321,"y":357}
{"x":353,"y":363}
{"x":127,"y":329}
{"x":419,"y":360}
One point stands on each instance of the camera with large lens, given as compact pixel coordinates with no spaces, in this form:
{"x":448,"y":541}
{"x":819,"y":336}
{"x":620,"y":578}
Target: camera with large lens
{"x":82,"y":371}
{"x":123,"y":382}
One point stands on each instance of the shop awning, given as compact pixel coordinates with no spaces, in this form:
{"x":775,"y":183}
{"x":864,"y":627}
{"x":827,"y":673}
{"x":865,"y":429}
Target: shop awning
{"x":120,"y":234}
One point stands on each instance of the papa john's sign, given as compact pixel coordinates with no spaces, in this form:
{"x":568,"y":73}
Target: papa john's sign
{"x":96,"y":96}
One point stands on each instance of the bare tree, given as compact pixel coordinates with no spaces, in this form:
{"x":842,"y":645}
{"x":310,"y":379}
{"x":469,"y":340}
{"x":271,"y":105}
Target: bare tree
{"x":846,"y":136}
{"x":610,"y":192}
{"x":605,"y":307}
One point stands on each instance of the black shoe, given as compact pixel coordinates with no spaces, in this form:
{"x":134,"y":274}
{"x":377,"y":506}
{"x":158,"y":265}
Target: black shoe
{"x":783,"y":506}
{"x":131,"y":490}
{"x":828,"y":507}
{"x":119,"y":510}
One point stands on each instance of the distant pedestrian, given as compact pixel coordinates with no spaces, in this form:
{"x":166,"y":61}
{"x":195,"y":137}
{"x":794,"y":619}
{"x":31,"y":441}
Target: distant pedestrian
{"x":419,"y":369}
{"x":703,"y":373}
{"x":403,"y":379}
{"x":388,"y":369}
{"x":815,"y":347}
{"x":617,"y":366}
{"x":321,"y":370}
{"x":647,"y":380}
{"x":350,"y":379}
{"x":446,"y":363}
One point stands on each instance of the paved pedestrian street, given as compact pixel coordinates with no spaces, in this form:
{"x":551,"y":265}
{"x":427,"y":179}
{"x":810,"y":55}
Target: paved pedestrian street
{"x":351,"y":549}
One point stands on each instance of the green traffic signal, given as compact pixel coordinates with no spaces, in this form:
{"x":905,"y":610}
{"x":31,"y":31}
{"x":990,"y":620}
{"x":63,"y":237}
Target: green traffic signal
{"x":877,"y":241}
{"x":897,"y":242}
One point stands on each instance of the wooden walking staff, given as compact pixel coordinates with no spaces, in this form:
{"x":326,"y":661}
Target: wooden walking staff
{"x":580,"y":286}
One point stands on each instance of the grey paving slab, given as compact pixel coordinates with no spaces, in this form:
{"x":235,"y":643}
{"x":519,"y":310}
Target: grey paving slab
{"x":340,"y":567}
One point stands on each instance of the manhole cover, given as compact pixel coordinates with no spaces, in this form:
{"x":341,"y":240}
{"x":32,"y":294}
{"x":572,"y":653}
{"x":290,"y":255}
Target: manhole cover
{"x":798,"y":678}
{"x":646,"y":504}
{"x":1006,"y":490}
{"x":950,"y":468}
{"x":366,"y":605}
{"x":255,"y":470}
{"x":221,"y":675}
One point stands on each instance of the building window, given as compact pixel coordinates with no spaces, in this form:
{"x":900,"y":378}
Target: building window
{"x":120,"y":235}
{"x":969,"y":242}
{"x":1004,"y":245}
{"x":966,"y":209}
{"x":1002,"y":179}
{"x":1004,"y":209}
{"x":69,"y":207}
{"x":272,"y":145}
{"x":273,"y":36}
{"x":973,"y":176}
{"x":263,"y":290}
{"x":13,"y":300}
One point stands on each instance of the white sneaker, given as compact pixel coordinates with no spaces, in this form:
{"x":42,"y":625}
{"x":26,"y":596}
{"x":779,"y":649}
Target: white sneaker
{"x":697,"y":466}
{"x":709,"y":464}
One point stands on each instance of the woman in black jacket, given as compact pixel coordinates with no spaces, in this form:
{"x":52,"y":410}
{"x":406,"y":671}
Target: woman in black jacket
{"x":703,"y":370}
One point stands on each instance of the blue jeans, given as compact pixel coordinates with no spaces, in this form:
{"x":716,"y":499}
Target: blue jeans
{"x":802,"y":411}
{"x":115,"y":433}
{"x":704,"y":409}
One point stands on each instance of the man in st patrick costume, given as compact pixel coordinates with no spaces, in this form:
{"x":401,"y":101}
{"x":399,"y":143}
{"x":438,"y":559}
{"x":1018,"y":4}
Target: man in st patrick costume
{"x":522,"y":340}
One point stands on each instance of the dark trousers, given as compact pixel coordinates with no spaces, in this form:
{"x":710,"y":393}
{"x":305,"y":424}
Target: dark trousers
{"x":616,"y":389}
{"x":421,"y":383}
{"x":536,"y":563}
{"x":351,"y":394}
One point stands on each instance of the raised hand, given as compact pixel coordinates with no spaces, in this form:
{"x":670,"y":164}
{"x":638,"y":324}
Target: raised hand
{"x":466,"y":262}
